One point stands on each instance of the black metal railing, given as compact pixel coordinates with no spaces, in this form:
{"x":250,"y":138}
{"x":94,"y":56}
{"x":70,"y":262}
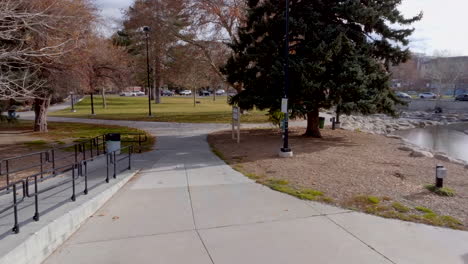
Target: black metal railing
{"x":135,"y":138}
{"x":31,"y":187}
{"x":16,"y":201}
{"x":46,"y":160}
{"x":33,"y":180}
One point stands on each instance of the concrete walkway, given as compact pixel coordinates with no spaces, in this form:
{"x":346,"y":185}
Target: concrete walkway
{"x":188,"y":206}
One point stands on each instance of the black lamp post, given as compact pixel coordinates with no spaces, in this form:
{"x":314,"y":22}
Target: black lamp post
{"x":92,"y":103}
{"x":146,"y":29}
{"x":285,"y":148}
{"x":72,"y":100}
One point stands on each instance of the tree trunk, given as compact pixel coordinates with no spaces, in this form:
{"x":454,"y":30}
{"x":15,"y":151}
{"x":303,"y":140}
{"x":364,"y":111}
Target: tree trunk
{"x":157,"y":95}
{"x":194,"y":100}
{"x":104,"y":101}
{"x":40,"y":111}
{"x":338,"y":113}
{"x":157,"y":80}
{"x":313,"y":124}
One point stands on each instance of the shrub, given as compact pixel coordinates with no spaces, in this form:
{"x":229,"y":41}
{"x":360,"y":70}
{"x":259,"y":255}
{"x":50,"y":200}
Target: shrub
{"x":373,"y":199}
{"x":440,"y":191}
{"x":424,"y":209}
{"x":400,"y":207}
{"x":276,"y":117}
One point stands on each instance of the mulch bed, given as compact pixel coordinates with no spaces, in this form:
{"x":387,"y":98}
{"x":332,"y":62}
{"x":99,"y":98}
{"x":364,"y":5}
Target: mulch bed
{"x":345,"y":165}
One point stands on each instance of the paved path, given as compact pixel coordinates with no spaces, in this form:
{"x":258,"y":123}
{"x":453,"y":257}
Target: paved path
{"x":188,"y":206}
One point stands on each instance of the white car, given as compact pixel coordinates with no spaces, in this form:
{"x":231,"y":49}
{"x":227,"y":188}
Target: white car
{"x":427,"y":95}
{"x":128,"y":94}
{"x":186,"y":92}
{"x":139,"y":93}
{"x":220,"y":92}
{"x":403,"y":95}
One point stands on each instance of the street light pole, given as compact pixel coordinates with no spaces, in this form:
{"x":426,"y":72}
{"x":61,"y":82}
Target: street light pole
{"x":146,"y":30}
{"x":285,"y":150}
{"x":72,"y":99}
{"x":92,"y":103}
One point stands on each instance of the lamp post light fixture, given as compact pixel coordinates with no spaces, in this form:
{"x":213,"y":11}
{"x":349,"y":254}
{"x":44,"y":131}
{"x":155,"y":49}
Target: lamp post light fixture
{"x":441,"y":173}
{"x":286,"y":151}
{"x":72,"y":100}
{"x":146,"y":30}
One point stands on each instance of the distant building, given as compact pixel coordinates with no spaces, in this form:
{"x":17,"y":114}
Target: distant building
{"x":447,"y":75}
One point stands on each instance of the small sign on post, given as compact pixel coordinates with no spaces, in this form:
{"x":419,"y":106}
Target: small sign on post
{"x":236,"y":123}
{"x":284,"y":105}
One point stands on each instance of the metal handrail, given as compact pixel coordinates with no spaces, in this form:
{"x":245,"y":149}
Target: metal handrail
{"x":96,"y":147}
{"x":76,"y":168}
{"x":15,"y":203}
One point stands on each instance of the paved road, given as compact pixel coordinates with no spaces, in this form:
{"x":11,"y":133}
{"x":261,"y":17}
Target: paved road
{"x":188,"y":206}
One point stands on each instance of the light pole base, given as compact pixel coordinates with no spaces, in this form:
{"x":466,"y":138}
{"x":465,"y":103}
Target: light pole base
{"x":285,"y":154}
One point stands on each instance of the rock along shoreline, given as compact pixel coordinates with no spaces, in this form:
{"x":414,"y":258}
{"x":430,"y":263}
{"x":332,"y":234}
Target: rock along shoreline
{"x":385,"y":125}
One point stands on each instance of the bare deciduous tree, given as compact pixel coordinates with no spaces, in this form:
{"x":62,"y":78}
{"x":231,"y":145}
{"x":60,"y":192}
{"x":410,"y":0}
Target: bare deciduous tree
{"x":189,"y":69}
{"x":214,"y":24}
{"x":102,"y":65}
{"x":36,"y":37}
{"x":163,"y":17}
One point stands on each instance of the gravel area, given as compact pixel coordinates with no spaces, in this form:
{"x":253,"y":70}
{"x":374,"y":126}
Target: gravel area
{"x":345,"y":164}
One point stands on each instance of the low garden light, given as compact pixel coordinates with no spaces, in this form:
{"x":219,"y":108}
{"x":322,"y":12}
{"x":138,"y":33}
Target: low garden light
{"x":441,"y":173}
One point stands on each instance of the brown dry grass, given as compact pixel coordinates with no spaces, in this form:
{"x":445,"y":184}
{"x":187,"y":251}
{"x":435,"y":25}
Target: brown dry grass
{"x":344,"y":165}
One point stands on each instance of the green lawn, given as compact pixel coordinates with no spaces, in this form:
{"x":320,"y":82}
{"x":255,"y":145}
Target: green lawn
{"x":65,"y":133}
{"x":172,"y":109}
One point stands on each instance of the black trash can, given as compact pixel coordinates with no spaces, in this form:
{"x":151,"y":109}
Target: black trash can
{"x":321,"y":122}
{"x":113,"y":142}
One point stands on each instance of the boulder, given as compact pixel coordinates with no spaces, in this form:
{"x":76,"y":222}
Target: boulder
{"x":459,"y":162}
{"x":393,"y":136}
{"x":405,"y":148}
{"x":403,"y":123}
{"x":420,"y":154}
{"x":441,"y":157}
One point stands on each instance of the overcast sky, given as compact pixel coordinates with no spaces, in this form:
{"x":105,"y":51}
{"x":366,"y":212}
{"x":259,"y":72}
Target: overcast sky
{"x":442,"y":28}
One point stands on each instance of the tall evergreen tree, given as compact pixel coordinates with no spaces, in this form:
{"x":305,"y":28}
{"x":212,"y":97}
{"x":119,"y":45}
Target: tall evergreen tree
{"x":340,"y":51}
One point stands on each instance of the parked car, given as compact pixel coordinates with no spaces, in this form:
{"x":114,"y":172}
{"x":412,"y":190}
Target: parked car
{"x":427,"y":95}
{"x":403,"y":95}
{"x":204,"y":93}
{"x":186,"y":92}
{"x":128,"y":94}
{"x":140,"y":93}
{"x":167,"y":93}
{"x":462,"y":97}
{"x":220,"y":92}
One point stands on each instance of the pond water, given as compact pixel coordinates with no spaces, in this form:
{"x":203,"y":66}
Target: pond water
{"x":450,"y":139}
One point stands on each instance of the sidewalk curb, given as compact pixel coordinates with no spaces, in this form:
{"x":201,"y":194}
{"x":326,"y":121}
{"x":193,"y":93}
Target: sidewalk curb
{"x":38,"y":246}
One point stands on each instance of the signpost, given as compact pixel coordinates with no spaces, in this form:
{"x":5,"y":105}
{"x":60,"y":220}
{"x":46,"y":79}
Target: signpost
{"x":236,"y":123}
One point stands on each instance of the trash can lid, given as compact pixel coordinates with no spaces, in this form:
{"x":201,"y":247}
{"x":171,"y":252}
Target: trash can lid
{"x":113,"y":137}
